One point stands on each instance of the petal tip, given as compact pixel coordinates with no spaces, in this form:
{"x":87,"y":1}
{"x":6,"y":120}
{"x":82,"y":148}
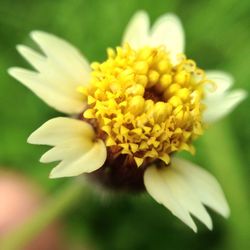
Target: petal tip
{"x":20,"y":48}
{"x":36,"y":33}
{"x":192,"y":226}
{"x":43,"y":159}
{"x":141,"y":13}
{"x":12,"y":71}
{"x":19,"y":74}
{"x":195,"y":230}
{"x":54,"y":174}
{"x":39,"y":36}
{"x":32,"y":138}
{"x":243,"y":93}
{"x":173,"y":16}
{"x":210,"y":226}
{"x":226,"y":212}
{"x":57,"y":173}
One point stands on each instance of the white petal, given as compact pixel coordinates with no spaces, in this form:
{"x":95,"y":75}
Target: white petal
{"x":63,"y":54}
{"x":37,"y":60}
{"x":185,"y":195}
{"x":219,"y":106}
{"x":158,"y":188}
{"x":75,"y":146}
{"x":59,"y":130}
{"x":137,"y":30}
{"x":204,"y":185}
{"x":168,"y":31}
{"x":61,"y":101}
{"x":53,"y":72}
{"x":88,"y":162}
{"x":69,"y":149}
{"x":222,"y":80}
{"x":61,"y":71}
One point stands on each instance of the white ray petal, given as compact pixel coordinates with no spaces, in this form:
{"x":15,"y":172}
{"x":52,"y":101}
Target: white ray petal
{"x":185,"y":195}
{"x":222,"y":80}
{"x":88,"y":162}
{"x":64,"y":54}
{"x":137,"y":30}
{"x":70,"y":149}
{"x":204,"y":185}
{"x":158,"y":188}
{"x":53,"y":73}
{"x":59,"y":130}
{"x":37,"y":60}
{"x":219,"y":106}
{"x":61,"y":70}
{"x":60,"y":101}
{"x":168,"y":31}
{"x":75,"y":146}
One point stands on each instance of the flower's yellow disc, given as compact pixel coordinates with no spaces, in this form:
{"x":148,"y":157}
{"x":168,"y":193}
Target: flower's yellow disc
{"x":144,"y":106}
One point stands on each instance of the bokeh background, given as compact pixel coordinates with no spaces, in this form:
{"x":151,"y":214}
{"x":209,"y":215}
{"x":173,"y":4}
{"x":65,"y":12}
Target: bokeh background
{"x":217,"y":37}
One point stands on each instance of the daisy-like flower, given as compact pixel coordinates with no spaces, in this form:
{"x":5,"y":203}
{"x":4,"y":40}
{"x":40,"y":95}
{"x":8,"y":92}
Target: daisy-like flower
{"x":130,"y":114}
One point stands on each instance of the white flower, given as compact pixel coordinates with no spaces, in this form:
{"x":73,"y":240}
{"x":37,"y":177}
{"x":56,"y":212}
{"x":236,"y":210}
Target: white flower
{"x":135,"y":110}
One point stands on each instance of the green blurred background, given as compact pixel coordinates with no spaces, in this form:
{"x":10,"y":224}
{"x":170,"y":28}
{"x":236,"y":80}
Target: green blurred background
{"x":217,"y":37}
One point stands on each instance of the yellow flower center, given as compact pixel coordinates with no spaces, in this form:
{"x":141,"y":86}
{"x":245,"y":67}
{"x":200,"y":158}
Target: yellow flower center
{"x":143,"y":105}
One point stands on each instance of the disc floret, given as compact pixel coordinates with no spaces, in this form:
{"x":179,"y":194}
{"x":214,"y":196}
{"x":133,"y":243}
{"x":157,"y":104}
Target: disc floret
{"x":143,"y":105}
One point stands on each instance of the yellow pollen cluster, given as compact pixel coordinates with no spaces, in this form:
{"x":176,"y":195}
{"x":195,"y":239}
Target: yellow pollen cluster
{"x":143,"y":105}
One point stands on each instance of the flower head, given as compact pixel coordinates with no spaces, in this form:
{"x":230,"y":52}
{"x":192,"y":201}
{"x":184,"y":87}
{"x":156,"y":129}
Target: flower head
{"x":143,"y":105}
{"x":131,"y":114}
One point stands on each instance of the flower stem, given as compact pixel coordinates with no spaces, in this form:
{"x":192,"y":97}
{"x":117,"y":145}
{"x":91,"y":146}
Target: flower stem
{"x":19,"y":237}
{"x":226,"y":163}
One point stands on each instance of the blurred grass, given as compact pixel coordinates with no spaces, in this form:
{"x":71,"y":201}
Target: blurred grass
{"x":217,"y":36}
